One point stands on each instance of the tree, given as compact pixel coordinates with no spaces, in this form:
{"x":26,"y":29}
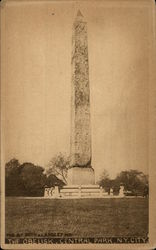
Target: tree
{"x":11,"y":166}
{"x":13,"y":182}
{"x":58,"y":166}
{"x":33,"y":179}
{"x":53,"y":181}
{"x":105,"y":181}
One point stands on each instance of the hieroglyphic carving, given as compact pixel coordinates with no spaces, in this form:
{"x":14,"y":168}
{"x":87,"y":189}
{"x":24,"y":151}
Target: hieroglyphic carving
{"x":80,"y":118}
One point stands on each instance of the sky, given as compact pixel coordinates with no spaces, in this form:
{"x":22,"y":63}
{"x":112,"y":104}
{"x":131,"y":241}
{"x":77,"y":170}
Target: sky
{"x":37,"y":86}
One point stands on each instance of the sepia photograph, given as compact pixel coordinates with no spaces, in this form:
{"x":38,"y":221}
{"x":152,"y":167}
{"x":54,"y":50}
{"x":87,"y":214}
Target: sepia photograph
{"x":77,"y":102}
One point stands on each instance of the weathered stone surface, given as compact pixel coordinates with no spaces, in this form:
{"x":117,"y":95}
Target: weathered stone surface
{"x":80,"y":103}
{"x":80,"y":176}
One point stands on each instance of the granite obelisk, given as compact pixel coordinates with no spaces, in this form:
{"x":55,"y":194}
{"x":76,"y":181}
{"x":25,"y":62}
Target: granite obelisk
{"x":80,"y":171}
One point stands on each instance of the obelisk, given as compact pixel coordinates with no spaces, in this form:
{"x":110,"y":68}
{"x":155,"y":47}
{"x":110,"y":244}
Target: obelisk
{"x":80,"y":171}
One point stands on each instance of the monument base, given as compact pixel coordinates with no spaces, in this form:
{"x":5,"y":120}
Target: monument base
{"x":81,"y":176}
{"x":80,"y":192}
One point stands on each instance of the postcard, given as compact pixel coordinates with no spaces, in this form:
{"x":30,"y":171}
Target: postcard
{"x":78,"y":116}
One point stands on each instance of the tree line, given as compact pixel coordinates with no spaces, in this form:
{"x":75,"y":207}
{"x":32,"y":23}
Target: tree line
{"x":135,"y":182}
{"x":28,"y":179}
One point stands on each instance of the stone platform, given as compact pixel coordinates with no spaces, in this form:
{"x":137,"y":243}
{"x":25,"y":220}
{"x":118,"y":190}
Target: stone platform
{"x":82,"y":191}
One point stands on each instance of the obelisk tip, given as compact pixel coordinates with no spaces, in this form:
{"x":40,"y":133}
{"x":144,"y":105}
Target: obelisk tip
{"x":79,"y":14}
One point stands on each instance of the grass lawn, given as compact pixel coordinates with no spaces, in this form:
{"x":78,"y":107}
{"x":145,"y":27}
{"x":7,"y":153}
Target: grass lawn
{"x":79,"y":217}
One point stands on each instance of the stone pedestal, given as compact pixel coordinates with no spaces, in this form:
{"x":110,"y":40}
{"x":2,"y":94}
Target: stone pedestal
{"x":121,"y":191}
{"x":81,"y":176}
{"x":111,"y":192}
{"x":49,"y":192}
{"x":56,"y":192}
